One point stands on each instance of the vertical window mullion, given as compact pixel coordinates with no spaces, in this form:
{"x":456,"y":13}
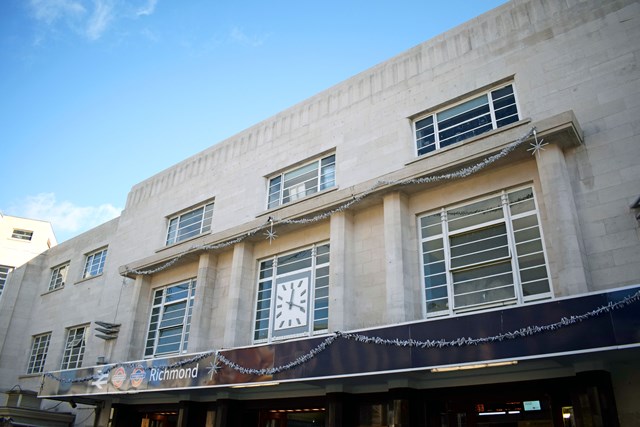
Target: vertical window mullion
{"x":312,"y":291}
{"x":272,"y":294}
{"x":492,"y":112}
{"x":515,"y":270}
{"x":436,"y":131}
{"x":160,"y":317}
{"x":447,"y":260}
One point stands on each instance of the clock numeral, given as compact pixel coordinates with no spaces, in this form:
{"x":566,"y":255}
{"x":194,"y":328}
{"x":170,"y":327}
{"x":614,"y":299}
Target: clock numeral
{"x":281,"y":323}
{"x":303,"y":293}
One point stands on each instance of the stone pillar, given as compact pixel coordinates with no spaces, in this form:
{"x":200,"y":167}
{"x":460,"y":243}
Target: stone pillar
{"x":240,"y":310}
{"x":399,"y":263}
{"x":201,"y":322}
{"x":342,"y":279}
{"x":131,"y":341}
{"x":563,"y":236}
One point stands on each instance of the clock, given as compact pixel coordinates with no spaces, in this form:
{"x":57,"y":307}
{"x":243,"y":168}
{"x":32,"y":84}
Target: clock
{"x":292,"y":304}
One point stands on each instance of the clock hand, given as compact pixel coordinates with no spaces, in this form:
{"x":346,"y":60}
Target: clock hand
{"x":299,"y":306}
{"x":290,"y":302}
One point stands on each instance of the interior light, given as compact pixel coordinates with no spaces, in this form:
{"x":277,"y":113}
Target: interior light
{"x":255,"y":385}
{"x":474,"y":366}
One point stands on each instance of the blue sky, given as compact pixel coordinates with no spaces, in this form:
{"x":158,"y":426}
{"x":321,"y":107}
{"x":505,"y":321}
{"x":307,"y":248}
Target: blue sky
{"x":98,"y":95}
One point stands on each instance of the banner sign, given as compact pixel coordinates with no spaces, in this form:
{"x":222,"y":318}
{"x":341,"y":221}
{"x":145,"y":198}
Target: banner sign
{"x":562,"y":326}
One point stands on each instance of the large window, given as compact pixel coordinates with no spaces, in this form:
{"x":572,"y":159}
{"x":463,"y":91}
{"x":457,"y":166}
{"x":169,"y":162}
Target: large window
{"x":300,"y":182}
{"x":472,"y":117}
{"x":293,"y":295}
{"x":4,"y":274}
{"x":170,"y":319}
{"x":39,"y":349}
{"x":58,"y":277}
{"x":485,"y":253}
{"x":190,"y":224}
{"x":74,"y":348}
{"x":94,"y":263}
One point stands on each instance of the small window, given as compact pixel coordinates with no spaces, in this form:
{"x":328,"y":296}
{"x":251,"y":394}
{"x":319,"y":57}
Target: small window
{"x":303,"y":181}
{"x":4,"y":274}
{"x":293,"y":295}
{"x":58,"y":277}
{"x":39,"y":349}
{"x":190,"y":224}
{"x":22,"y":234}
{"x":74,"y":348}
{"x":170,"y":319}
{"x":475,"y":116}
{"x":94,"y":263}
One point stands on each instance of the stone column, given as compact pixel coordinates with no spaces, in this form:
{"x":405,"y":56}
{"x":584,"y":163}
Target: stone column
{"x":200,"y":336}
{"x":239,"y":315}
{"x":342,"y":279}
{"x":563,"y":237}
{"x":400,"y":289}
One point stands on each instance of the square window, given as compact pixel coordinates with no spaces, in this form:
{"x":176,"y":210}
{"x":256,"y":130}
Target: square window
{"x":58,"y":277}
{"x":94,"y":263}
{"x":485,"y":253}
{"x":302,"y":181}
{"x":190,"y":224}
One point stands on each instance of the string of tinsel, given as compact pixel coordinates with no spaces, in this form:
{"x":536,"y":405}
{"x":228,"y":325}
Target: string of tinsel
{"x":462,"y":173}
{"x":327,"y":342}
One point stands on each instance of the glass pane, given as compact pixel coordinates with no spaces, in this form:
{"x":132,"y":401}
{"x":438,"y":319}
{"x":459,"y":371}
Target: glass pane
{"x":431,"y":225}
{"x":521,"y":201}
{"x":479,"y":246}
{"x":535,"y":288}
{"x":475,"y":214}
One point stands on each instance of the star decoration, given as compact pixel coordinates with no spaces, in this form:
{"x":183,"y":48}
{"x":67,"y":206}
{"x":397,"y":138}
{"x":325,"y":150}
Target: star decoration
{"x":213,"y":369}
{"x":536,"y":146}
{"x":271,"y":235}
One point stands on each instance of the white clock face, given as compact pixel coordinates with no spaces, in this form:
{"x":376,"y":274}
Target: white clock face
{"x":292,"y":304}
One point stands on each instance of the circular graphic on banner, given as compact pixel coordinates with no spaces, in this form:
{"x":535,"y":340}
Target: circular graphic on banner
{"x":118,"y":377}
{"x":137,"y":376}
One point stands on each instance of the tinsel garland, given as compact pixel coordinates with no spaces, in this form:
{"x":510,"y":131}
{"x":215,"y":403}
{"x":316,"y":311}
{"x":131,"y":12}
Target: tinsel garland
{"x":360,"y":338}
{"x":462,"y":173}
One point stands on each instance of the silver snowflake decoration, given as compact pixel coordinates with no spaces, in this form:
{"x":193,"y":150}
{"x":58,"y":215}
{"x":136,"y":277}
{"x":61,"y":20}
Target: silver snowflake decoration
{"x":536,"y":146}
{"x":213,"y":368}
{"x":271,"y":235}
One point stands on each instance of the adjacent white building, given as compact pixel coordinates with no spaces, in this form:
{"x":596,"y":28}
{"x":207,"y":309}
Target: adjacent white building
{"x":21,"y":239}
{"x":448,"y":238}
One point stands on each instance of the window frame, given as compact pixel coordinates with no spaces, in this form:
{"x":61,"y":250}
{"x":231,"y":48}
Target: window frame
{"x":38,"y":354}
{"x":76,"y":338}
{"x":22,"y":234}
{"x":457,"y":137}
{"x":437,"y":271}
{"x":323,"y":179}
{"x":158,"y":308}
{"x":91,"y":268}
{"x":173,"y":235}
{"x":319,"y":288}
{"x":5,"y":271}
{"x":58,"y":276}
